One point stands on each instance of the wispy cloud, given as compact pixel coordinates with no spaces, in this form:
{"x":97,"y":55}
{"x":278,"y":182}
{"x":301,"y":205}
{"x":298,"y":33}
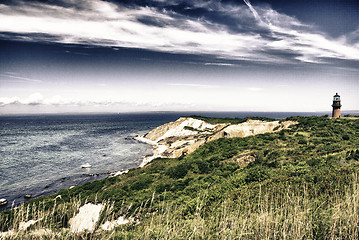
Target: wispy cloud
{"x":265,"y":36}
{"x":10,"y":76}
{"x":255,"y":14}
{"x":219,"y":64}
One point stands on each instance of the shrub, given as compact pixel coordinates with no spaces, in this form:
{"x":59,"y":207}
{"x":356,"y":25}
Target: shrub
{"x":346,"y":137}
{"x":276,"y":128}
{"x":273,"y":155}
{"x":142,"y":182}
{"x":259,"y":157}
{"x":314,"y":162}
{"x":302,"y":141}
{"x":162,"y":187}
{"x":352,"y":155}
{"x":229,"y":166}
{"x":256,"y":174}
{"x":178,"y":171}
{"x":229,"y":154}
{"x":200,"y":167}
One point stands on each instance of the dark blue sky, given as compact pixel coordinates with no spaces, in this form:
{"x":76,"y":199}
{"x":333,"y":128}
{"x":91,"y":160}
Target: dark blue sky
{"x":60,"y":56}
{"x":335,"y":17}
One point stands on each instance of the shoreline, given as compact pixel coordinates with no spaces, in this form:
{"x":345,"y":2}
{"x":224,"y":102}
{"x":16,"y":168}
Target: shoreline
{"x":161,"y":147}
{"x":157,"y":149}
{"x":19,"y":199}
{"x":160,"y":139}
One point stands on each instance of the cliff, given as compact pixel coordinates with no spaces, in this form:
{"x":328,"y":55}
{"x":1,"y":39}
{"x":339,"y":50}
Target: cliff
{"x":186,"y":134}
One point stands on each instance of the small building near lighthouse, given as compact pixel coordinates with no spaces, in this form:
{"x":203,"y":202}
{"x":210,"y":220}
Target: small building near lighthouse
{"x":336,"y":106}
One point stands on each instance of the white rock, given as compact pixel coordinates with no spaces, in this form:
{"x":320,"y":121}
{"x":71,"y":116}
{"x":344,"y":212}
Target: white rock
{"x":42,"y":232}
{"x":109,"y":225}
{"x":7,"y":234}
{"x":250,"y":128}
{"x":86,"y":219}
{"x":120,"y":173}
{"x":177,"y":129}
{"x":180,"y":131}
{"x":145,"y":140}
{"x":24,"y":225}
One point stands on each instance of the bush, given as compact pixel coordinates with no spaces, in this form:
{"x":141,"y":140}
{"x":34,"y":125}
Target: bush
{"x":259,"y":157}
{"x":142,"y":183}
{"x":229,"y":154}
{"x":273,"y":155}
{"x":178,"y":171}
{"x":346,"y":137}
{"x":228,"y":166}
{"x":314,"y":162}
{"x":352,"y":155}
{"x":256,"y":174}
{"x":162,"y":187}
{"x":200,"y":167}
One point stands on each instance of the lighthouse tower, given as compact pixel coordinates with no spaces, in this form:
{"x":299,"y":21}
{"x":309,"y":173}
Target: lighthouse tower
{"x":336,"y":106}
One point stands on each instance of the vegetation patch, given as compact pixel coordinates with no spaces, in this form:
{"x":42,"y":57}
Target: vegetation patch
{"x":230,"y":120}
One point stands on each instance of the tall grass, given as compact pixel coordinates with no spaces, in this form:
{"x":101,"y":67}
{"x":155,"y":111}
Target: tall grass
{"x":271,"y":215}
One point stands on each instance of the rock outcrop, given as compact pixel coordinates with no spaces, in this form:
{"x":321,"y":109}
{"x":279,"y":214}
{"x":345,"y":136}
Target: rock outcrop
{"x":86,"y":219}
{"x":186,"y":134}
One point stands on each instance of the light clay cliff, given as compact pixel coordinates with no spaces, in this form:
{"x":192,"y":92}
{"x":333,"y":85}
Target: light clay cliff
{"x":186,"y":134}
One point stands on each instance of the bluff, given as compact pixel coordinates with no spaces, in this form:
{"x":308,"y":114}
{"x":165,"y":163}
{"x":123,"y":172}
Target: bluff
{"x":187,"y":134}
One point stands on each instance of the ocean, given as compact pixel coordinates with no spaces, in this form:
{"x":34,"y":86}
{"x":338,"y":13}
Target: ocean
{"x":42,"y":154}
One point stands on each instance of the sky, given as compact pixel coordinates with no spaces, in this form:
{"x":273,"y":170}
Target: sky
{"x":191,"y":55}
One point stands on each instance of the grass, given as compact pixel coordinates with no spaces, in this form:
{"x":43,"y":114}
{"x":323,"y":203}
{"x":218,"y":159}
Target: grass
{"x":230,"y":120}
{"x":272,"y":215}
{"x":207,"y":195}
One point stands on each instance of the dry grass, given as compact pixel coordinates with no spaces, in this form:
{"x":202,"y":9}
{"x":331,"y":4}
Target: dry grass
{"x":274,"y":215}
{"x":281,"y":216}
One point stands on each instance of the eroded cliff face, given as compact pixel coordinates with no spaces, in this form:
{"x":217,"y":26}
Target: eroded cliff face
{"x":181,"y":128}
{"x":186,"y":134}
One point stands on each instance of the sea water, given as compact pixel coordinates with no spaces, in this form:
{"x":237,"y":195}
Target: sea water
{"x":41,"y":154}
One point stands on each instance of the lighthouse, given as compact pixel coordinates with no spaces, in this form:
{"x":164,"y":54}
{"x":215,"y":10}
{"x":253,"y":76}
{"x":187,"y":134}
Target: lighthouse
{"x":336,"y":106}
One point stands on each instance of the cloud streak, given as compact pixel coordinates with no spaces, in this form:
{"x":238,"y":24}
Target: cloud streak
{"x":18,"y":78}
{"x":266,"y":36}
{"x":255,"y":14}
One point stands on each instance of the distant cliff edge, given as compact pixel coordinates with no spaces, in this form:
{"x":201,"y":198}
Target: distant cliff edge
{"x":186,"y":134}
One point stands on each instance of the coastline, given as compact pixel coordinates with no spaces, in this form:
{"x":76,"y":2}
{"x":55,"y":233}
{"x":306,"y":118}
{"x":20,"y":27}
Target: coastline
{"x":172,"y":139}
{"x":83,"y":178}
{"x":157,"y":150}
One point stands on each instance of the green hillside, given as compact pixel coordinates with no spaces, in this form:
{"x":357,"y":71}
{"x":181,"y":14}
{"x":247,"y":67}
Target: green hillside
{"x":299,"y":183}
